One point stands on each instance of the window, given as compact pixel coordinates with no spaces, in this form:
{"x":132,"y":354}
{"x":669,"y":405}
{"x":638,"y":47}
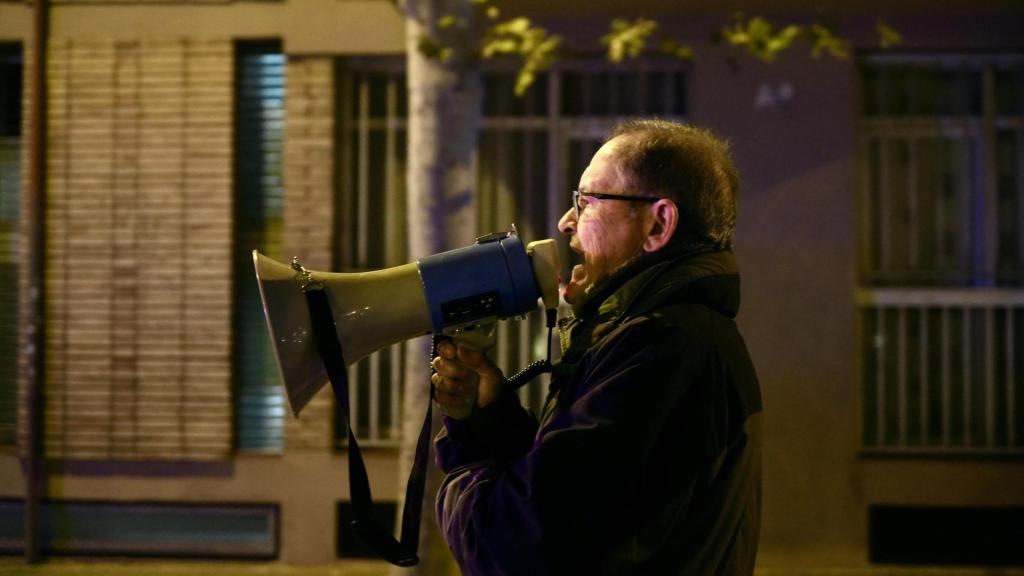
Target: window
{"x":166,"y":529}
{"x":259,"y":134}
{"x":139,"y":244}
{"x":942,"y":254}
{"x":10,"y":209}
{"x":531,"y":153}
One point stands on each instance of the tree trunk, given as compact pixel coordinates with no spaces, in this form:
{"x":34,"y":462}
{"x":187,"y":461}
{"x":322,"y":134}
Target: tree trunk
{"x":444,"y":120}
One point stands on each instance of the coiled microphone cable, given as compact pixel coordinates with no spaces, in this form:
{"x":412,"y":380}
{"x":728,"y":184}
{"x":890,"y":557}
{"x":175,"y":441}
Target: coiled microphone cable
{"x":524,"y":376}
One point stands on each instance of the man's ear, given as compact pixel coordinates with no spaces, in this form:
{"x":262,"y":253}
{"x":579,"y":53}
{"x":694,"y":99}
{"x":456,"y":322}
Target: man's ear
{"x":664,"y":218}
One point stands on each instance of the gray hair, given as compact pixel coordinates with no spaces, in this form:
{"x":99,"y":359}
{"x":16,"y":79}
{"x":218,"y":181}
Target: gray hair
{"x":690,"y":165}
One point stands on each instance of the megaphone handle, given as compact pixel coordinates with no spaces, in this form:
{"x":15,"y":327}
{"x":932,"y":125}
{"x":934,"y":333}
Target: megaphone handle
{"x":399,"y":553}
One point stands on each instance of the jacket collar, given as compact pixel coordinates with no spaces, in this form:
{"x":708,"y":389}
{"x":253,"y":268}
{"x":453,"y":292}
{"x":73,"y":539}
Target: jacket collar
{"x":704,"y":276}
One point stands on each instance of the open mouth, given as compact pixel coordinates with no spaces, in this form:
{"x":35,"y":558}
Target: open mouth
{"x":577,"y":284}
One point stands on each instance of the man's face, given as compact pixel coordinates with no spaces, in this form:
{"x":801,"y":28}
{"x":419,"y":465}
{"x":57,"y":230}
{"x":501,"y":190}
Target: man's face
{"x":608,"y":233}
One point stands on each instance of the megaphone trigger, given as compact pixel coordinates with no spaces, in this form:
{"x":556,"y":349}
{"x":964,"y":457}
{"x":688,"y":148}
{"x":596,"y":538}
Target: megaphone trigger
{"x":482,"y":336}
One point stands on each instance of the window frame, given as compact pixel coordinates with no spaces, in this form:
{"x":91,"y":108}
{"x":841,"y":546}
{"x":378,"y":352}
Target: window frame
{"x":877,"y":303}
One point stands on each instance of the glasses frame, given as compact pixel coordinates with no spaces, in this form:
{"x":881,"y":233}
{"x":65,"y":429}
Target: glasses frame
{"x":602,"y":196}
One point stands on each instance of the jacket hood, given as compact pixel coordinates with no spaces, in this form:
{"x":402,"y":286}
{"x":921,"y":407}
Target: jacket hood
{"x":710,"y":279}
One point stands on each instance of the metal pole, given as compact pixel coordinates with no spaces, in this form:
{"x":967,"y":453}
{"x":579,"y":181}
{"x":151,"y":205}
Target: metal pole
{"x":35,"y":342}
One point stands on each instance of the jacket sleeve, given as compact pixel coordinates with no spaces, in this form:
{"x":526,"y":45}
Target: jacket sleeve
{"x":501,"y":431}
{"x":573,"y":492}
{"x":474,"y":454}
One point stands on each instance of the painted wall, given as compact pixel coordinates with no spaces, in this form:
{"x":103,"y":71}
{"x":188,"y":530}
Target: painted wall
{"x":304,"y":26}
{"x":796,"y":247}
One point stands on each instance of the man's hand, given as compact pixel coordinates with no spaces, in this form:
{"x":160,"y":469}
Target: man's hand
{"x":465,"y":378}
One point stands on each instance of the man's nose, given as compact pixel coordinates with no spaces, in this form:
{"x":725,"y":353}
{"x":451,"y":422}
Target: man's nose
{"x":567,"y":224}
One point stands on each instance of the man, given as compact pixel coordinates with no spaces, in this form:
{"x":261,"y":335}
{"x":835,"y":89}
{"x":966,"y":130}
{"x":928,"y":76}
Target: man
{"x":646,"y":459}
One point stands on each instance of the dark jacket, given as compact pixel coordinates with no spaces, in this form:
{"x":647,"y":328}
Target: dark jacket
{"x":647,"y":457}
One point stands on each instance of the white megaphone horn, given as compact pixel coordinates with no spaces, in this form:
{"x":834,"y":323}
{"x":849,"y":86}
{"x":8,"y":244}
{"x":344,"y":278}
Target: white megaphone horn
{"x":492,"y":279}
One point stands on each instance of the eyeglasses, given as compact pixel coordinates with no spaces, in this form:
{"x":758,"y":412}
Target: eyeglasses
{"x":579,"y":209}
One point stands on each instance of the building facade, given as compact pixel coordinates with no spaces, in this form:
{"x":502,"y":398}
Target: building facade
{"x":881,"y":239}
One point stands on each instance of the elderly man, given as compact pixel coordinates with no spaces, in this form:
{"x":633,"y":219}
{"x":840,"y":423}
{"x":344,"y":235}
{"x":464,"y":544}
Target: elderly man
{"x":646,"y":459}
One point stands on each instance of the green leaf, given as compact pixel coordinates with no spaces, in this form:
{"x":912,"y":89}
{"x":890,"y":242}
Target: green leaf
{"x":677,"y":50}
{"x":430,"y":47}
{"x":524,"y":79}
{"x":825,"y":40}
{"x":761,"y":39}
{"x":759,"y":28}
{"x":790,"y":33}
{"x":887,"y":36}
{"x":518,"y":25}
{"x":520,"y":38}
{"x":628,"y":39}
{"x":447,"y":21}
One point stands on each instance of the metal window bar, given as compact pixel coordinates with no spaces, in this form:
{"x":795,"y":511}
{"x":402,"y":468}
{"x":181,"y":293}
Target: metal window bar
{"x":966,"y":376}
{"x":964,"y":161}
{"x":957,"y":382}
{"x":923,"y":372}
{"x":942,"y":168}
{"x":1020,"y":193}
{"x":374,"y":399}
{"x":353,"y":397}
{"x":866,"y":206}
{"x":988,"y":192}
{"x":1011,"y":382}
{"x":362,"y":198}
{"x":394,"y":422}
{"x":947,"y":393}
{"x":990,"y":385}
{"x":883,"y":208}
{"x":880,"y":408}
{"x":394,"y":245}
{"x":902,"y":376}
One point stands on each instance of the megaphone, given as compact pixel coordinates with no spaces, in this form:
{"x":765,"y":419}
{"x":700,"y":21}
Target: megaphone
{"x":492,"y":279}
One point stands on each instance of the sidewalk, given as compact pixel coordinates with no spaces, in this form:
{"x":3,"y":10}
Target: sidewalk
{"x":15,"y":566}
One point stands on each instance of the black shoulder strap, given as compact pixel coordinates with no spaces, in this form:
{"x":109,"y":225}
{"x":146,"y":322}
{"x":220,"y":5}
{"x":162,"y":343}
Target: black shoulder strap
{"x":398,"y":552}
